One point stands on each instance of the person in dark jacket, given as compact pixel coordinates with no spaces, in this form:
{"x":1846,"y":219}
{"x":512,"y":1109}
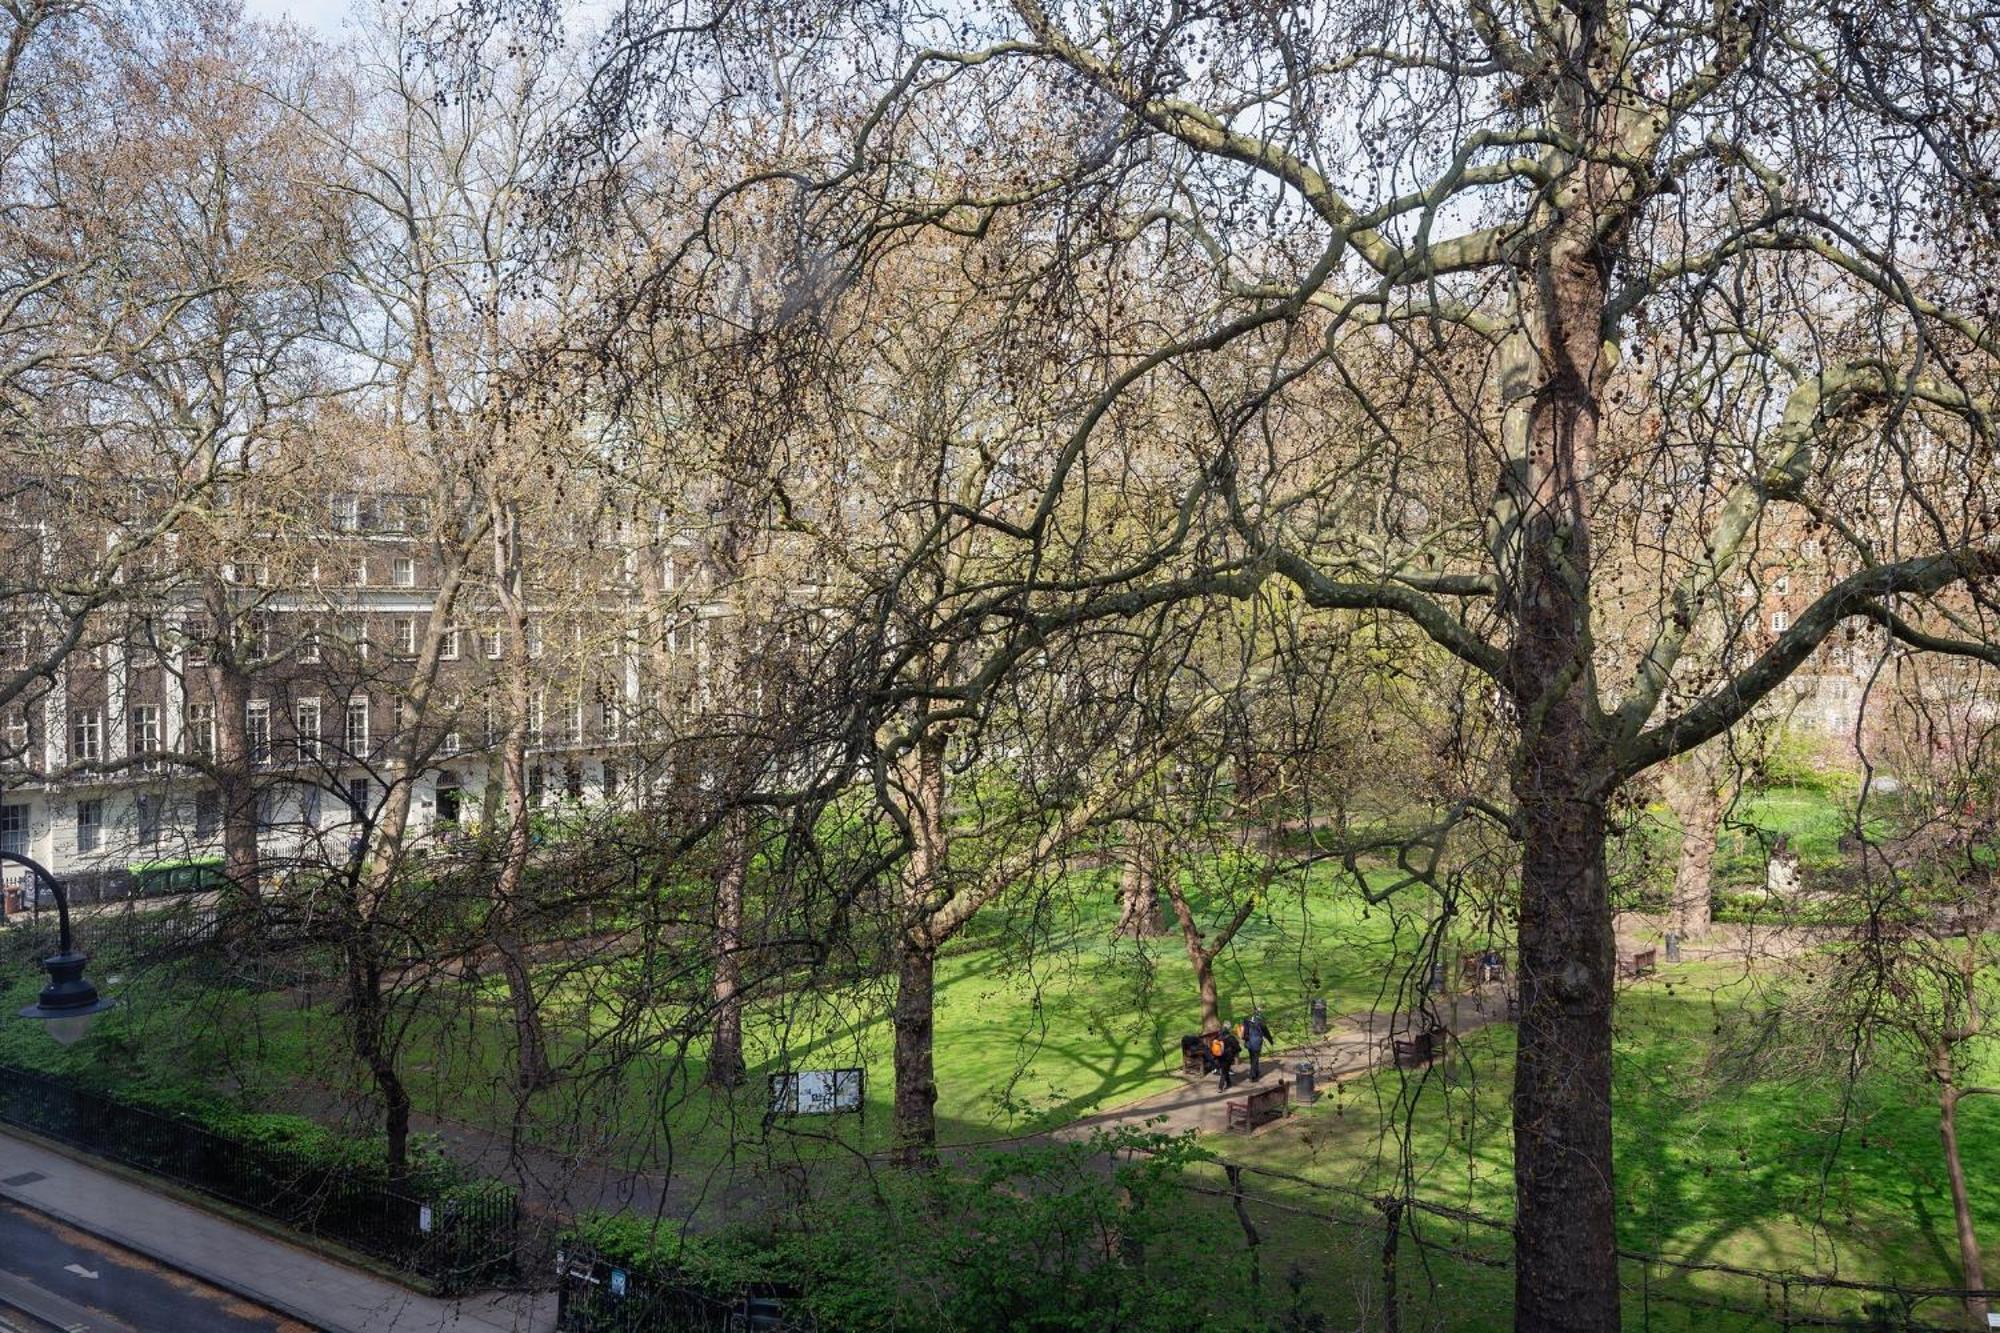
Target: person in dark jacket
{"x":1255,"y":1035}
{"x":1227,"y":1056}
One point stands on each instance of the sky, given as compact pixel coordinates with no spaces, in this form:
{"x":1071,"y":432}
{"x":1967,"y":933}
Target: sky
{"x":323,"y":16}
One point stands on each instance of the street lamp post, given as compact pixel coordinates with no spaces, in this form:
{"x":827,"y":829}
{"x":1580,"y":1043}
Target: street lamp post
{"x":69,"y":1003}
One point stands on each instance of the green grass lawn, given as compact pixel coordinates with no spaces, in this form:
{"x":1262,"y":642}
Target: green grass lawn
{"x":1807,"y":1177}
{"x":1050,"y":1018}
{"x":1047,"y":1020}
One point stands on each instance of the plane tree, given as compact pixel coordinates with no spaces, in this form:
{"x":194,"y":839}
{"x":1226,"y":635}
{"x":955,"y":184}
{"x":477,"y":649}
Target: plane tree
{"x":1753,"y":233}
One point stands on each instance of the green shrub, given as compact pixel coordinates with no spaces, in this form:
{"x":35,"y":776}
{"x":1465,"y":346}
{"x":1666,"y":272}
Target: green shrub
{"x":1038,"y":1238}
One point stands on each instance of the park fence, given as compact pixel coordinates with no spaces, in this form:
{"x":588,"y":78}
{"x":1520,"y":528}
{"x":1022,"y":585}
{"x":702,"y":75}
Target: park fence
{"x":596,"y":1295}
{"x":462,"y":1239}
{"x":1411,"y":1264}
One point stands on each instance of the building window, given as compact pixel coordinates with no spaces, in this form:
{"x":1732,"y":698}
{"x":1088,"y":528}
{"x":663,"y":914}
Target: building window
{"x":533,"y":633}
{"x":360,"y":573}
{"x":610,"y":782}
{"x":16,"y":732}
{"x":86,"y":735}
{"x":448,"y":645}
{"x":195,"y":632}
{"x":305,"y":722}
{"x":309,"y":650}
{"x":491,"y":642}
{"x":573,"y":723}
{"x":448,"y":801}
{"x":453,"y":706}
{"x":145,"y":729}
{"x":14,"y":646}
{"x":1782,"y":585}
{"x":357,"y":797}
{"x":201,"y":730}
{"x":257,"y":729}
{"x":309,"y":806}
{"x":148,"y":809}
{"x":607,"y":717}
{"x":1780,"y":622}
{"x":357,"y":725}
{"x":207,"y":813}
{"x":346,"y":513}
{"x":89,"y":825}
{"x":406,"y":635}
{"x":14,"y":829}
{"x":257,"y":637}
{"x":406,"y":572}
{"x":537,"y":716}
{"x":573,"y":781}
{"x":535,"y":783}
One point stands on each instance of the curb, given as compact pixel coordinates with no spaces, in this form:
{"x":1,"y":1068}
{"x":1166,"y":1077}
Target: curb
{"x":234,"y":1286}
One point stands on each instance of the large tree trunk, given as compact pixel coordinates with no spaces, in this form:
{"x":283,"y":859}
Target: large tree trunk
{"x":235,"y":776}
{"x":1698,"y":807}
{"x":725,"y":1050}
{"x":1139,"y":914}
{"x":531,"y":1046}
{"x":1202,"y":952}
{"x":915,"y":1128}
{"x":1566,"y":1266}
{"x":1971,"y":1271}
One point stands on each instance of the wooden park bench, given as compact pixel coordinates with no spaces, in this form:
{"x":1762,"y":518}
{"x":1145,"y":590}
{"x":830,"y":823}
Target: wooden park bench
{"x":1259,"y":1108}
{"x":1644,"y":963}
{"x":1419,"y":1049}
{"x":1475,"y":970}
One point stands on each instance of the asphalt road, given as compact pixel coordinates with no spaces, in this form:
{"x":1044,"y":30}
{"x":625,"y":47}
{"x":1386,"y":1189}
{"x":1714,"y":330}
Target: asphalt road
{"x":53,"y":1277}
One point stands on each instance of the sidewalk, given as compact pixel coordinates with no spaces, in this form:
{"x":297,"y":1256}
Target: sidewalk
{"x":294,"y":1282}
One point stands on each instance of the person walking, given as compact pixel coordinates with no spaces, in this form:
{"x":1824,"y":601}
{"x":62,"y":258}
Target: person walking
{"x":1255,"y":1034}
{"x":1224,"y":1050}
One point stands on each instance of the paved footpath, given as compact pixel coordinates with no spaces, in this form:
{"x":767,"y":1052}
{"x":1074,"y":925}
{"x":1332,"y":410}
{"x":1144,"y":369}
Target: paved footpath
{"x":1355,"y":1044}
{"x":295,"y":1282}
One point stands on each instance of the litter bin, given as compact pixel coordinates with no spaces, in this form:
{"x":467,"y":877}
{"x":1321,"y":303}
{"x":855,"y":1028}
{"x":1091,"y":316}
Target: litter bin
{"x":1673,"y":947}
{"x":1194,"y":1056}
{"x":1304,"y":1089}
{"x":1319,"y":1015}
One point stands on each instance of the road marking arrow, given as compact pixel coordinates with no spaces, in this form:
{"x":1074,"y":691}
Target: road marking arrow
{"x":80,"y":1271}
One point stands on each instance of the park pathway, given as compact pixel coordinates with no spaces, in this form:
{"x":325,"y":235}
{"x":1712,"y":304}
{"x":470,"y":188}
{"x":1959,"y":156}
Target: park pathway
{"x":1354,"y":1044}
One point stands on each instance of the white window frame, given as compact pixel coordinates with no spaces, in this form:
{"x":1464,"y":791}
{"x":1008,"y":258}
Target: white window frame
{"x":309,"y":648}
{"x":144,"y":729}
{"x":361,"y":572}
{"x":405,"y":630}
{"x":257,"y":730}
{"x":307,"y":738}
{"x":348,"y":714}
{"x":198,"y":725}
{"x":86,"y":734}
{"x":404,"y":571}
{"x":448,"y":645}
{"x":1780,"y":622}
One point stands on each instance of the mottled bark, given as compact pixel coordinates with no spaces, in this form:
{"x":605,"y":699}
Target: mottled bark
{"x":1140,"y":915}
{"x":1566,"y":1272}
{"x":725,"y":1050}
{"x":1697,"y":806}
